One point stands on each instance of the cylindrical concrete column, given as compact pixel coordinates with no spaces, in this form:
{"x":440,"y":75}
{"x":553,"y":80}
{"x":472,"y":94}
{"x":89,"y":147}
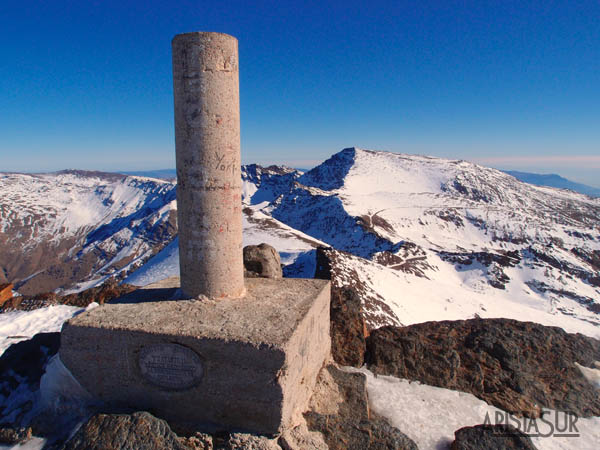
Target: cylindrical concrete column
{"x":209,"y":185}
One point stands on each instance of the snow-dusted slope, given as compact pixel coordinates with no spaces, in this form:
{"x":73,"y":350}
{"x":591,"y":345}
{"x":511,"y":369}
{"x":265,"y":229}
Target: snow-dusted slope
{"x":61,"y":228}
{"x":440,"y":239}
{"x":428,"y":239}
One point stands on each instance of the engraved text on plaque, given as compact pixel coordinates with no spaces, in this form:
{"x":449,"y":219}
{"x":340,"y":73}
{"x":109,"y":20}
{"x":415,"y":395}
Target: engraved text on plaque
{"x":171,"y":366}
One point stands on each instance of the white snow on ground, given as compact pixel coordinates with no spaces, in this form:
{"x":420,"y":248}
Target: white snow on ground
{"x":289,"y":242}
{"x":430,"y":415}
{"x":444,"y":207}
{"x":17,"y":326}
{"x":35,"y":443}
{"x":408,"y":191}
{"x":592,"y":375}
{"x":401,"y":188}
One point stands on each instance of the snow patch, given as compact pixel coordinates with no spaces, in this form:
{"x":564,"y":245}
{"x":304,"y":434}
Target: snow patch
{"x":17,"y":326}
{"x":430,"y":415}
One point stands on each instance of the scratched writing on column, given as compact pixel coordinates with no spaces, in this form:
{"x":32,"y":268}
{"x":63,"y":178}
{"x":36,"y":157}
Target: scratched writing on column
{"x":223,"y":165}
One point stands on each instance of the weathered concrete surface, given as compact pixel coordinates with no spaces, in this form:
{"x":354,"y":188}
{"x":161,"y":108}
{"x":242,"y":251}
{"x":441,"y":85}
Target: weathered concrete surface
{"x":246,"y":363}
{"x":207,"y":141}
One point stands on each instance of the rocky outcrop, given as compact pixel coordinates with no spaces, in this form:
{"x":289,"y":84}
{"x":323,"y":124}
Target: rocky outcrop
{"x":14,"y":436}
{"x":494,"y":262}
{"x":262,"y":261}
{"x":338,"y":418}
{"x":141,"y":430}
{"x":519,"y":367}
{"x":246,"y":441}
{"x":348,"y":328}
{"x":341,"y":268}
{"x":484,"y":437}
{"x":339,"y":410}
{"x":199,"y":441}
{"x":108,"y":291}
{"x":101,"y":294}
{"x":301,"y":437}
{"x":126,"y":432}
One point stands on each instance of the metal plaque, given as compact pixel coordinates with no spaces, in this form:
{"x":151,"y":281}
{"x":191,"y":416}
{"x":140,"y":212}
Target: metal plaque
{"x":171,"y":366}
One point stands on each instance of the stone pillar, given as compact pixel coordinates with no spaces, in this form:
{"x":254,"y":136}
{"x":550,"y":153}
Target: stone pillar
{"x":209,"y":185}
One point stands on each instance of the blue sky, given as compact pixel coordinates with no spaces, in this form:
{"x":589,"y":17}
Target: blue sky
{"x":510,"y":84}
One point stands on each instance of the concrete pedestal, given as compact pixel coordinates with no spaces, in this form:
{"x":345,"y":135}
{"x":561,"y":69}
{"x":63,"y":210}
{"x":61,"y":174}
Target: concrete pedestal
{"x":246,"y":364}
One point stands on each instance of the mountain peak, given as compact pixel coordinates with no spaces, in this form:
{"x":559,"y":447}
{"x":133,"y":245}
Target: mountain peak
{"x":331,"y":173}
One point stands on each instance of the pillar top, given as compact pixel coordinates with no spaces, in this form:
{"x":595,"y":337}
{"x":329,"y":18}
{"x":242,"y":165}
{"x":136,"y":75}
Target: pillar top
{"x":202,"y":34}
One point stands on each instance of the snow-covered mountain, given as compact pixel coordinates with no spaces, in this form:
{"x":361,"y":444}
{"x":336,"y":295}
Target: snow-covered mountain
{"x":420,"y":238}
{"x":72,"y":229}
{"x":411,"y":239}
{"x":431,"y":239}
{"x":437,"y":239}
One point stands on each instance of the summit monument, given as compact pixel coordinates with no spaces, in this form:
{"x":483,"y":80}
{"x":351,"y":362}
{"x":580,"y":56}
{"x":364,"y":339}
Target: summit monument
{"x":208,"y":349}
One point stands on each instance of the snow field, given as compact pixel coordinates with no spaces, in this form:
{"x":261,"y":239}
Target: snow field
{"x":430,"y":415}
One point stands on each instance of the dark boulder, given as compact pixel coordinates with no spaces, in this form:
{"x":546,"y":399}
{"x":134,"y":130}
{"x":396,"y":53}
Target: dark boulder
{"x":126,"y":432}
{"x":14,"y":436}
{"x":491,"y":437}
{"x":27,"y":359}
{"x":21,"y":368}
{"x":519,"y":367}
{"x":348,"y":329}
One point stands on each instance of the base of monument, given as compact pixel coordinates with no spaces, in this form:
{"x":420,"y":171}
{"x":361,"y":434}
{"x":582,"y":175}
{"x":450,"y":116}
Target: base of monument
{"x":243,"y":364}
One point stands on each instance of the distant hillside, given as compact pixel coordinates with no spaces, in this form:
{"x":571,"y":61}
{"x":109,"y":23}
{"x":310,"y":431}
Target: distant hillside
{"x":553,"y":180}
{"x":64,"y":228}
{"x":164,"y":174}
